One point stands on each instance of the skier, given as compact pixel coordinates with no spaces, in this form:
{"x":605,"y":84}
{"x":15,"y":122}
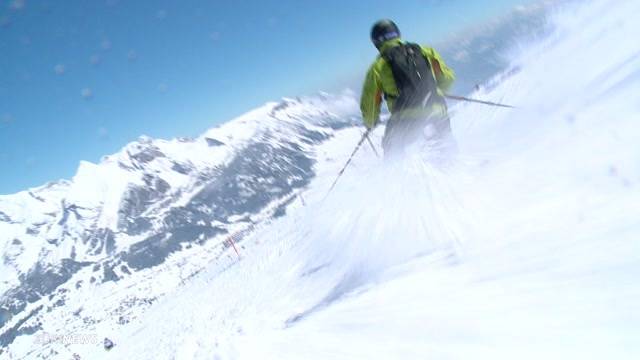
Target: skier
{"x":413,"y":80}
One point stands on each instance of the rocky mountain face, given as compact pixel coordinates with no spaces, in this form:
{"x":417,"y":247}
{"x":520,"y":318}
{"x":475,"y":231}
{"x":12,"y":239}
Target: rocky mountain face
{"x":155,"y":209}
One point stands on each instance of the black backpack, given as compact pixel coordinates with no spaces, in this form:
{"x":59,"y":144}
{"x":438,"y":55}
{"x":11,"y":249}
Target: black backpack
{"x":415,"y":82}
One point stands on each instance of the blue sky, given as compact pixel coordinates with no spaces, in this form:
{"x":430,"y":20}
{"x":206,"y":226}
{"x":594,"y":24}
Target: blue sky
{"x":80,"y":79}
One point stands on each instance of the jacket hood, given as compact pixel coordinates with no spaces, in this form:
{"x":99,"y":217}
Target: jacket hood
{"x":389,"y":44}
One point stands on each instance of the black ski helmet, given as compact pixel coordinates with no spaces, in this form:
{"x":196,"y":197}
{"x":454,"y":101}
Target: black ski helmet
{"x":384,"y":30}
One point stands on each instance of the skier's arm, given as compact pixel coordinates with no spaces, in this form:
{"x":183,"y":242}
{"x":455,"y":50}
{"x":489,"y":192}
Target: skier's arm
{"x":444,"y":75}
{"x":371,"y":98}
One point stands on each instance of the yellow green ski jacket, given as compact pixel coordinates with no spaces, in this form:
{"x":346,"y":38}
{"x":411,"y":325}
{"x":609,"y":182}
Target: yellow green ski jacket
{"x":379,"y":81}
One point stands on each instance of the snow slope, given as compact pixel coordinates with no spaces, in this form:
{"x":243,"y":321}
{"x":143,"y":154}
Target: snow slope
{"x":525,"y":246}
{"x":138,"y":224}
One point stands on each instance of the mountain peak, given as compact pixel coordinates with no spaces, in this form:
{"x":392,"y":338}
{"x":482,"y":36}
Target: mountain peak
{"x":153,"y":202}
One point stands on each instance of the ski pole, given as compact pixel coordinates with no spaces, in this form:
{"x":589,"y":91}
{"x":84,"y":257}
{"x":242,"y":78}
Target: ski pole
{"x":462,"y":98}
{"x":372,"y":146}
{"x":364,"y":137}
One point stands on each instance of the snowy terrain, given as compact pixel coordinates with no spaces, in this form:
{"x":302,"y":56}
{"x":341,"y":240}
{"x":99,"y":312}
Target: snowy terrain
{"x":141,"y":222}
{"x":525,"y":246}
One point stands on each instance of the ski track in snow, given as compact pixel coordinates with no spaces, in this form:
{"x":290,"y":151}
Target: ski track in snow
{"x":526,"y":247}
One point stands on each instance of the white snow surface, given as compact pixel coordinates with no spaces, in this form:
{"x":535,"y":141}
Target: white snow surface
{"x":526,"y":246}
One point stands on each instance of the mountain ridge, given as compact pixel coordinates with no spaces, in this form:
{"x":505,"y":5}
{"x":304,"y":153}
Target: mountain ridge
{"x":155,"y":198}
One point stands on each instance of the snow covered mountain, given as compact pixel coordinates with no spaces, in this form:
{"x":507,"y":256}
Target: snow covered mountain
{"x":156,"y":205}
{"x":525,"y":246}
